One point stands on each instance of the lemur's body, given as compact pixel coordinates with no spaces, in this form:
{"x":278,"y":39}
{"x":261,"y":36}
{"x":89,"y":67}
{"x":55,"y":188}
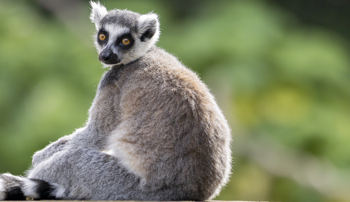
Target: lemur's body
{"x":154,"y":131}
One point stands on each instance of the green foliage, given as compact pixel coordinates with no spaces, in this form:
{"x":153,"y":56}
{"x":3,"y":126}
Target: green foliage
{"x":272,"y":77}
{"x":47,"y":82}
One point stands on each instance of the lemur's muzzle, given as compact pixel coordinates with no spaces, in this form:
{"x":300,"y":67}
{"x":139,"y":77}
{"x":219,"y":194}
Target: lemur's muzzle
{"x":108,"y":57}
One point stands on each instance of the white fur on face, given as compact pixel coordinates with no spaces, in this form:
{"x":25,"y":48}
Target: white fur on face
{"x":114,"y":31}
{"x":98,"y":11}
{"x":138,"y":50}
{"x":141,"y":47}
{"x":29,"y":188}
{"x":2,"y":190}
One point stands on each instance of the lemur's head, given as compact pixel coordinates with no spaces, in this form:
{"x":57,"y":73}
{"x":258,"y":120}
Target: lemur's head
{"x":123,"y":36}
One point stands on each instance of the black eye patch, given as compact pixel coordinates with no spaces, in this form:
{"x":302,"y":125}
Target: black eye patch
{"x":102,"y":37}
{"x":121,"y":45}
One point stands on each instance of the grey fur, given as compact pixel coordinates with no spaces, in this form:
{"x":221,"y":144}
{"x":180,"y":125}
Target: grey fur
{"x":164,"y":135}
{"x":124,"y":18}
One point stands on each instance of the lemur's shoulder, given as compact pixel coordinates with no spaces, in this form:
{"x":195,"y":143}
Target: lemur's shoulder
{"x":162,"y":68}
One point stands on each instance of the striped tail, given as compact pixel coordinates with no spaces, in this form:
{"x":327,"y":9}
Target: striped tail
{"x":19,"y":188}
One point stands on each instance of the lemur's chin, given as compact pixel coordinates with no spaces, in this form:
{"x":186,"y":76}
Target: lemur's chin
{"x":120,"y":63}
{"x":105,"y":65}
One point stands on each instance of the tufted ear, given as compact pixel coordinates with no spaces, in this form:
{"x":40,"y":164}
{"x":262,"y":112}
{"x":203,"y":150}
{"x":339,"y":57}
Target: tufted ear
{"x":148,"y":28}
{"x":98,"y":11}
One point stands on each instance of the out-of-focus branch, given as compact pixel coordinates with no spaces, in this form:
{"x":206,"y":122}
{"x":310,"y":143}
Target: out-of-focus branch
{"x":305,"y":169}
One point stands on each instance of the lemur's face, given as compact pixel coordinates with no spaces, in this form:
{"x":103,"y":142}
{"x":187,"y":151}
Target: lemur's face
{"x":123,"y":36}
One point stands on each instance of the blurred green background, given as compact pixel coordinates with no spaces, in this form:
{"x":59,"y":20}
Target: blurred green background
{"x":280,"y":71}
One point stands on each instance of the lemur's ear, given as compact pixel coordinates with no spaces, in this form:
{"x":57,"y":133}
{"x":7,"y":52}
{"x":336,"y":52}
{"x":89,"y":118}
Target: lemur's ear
{"x":148,"y":27}
{"x":98,"y":11}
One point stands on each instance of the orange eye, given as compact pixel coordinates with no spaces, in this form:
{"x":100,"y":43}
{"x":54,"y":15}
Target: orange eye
{"x":102,"y":37}
{"x":126,"y":41}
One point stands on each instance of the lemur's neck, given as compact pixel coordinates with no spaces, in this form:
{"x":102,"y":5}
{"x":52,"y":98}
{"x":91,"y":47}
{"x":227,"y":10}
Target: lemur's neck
{"x":152,"y":48}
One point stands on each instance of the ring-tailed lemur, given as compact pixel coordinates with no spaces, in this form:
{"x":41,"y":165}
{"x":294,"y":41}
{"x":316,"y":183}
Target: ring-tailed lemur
{"x":154,"y":131}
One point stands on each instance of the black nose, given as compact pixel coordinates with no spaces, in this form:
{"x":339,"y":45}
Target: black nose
{"x":108,"y":57}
